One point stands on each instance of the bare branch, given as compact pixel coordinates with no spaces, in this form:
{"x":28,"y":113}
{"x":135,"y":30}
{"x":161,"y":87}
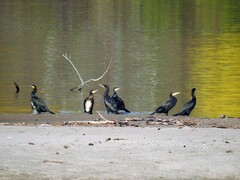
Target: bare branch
{"x":93,"y":122}
{"x":102,"y":116}
{"x":97,"y":79}
{"x":83,"y":83}
{"x":106,"y":120}
{"x":69,"y":60}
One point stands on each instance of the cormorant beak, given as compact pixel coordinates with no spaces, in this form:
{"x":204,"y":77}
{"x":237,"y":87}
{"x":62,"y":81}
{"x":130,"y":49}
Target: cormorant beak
{"x":94,"y":91}
{"x":101,"y":85}
{"x":33,"y":87}
{"x":116,"y":89}
{"x":175,"y":93}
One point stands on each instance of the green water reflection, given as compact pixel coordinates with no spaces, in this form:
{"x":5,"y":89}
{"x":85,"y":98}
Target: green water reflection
{"x":156,"y":46}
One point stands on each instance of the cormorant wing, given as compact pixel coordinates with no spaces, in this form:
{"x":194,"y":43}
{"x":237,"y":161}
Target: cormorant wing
{"x":164,"y":105}
{"x":120,"y":100}
{"x":120,"y":103}
{"x":168,"y":103}
{"x":39,"y":103}
{"x":188,"y":107}
{"x":117,"y":99}
{"x":110,"y":103}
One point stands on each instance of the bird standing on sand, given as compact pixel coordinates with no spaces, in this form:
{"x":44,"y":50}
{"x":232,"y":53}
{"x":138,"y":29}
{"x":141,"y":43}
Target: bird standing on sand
{"x":109,"y":102}
{"x":118,"y":100}
{"x":188,"y":107}
{"x":38,"y":103}
{"x":89,"y":102}
{"x":168,"y":105}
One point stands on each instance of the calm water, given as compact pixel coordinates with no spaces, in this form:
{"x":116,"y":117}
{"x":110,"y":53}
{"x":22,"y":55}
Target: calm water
{"x":156,"y":47}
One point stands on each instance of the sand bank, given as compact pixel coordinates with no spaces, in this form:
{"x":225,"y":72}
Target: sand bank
{"x":83,"y":152}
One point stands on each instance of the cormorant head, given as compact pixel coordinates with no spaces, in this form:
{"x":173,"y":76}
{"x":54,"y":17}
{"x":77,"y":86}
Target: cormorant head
{"x":34,"y":87}
{"x":115,"y":89}
{"x":193,"y":91}
{"x":93,"y":91}
{"x":175,"y":93}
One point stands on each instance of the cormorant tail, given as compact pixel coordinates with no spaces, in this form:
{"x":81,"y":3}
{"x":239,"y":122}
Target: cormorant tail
{"x":153,"y":113}
{"x":126,"y":110}
{"x":51,"y":112}
{"x":177,"y":114}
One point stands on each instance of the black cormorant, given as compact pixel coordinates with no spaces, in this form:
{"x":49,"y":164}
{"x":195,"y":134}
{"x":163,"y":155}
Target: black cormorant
{"x":89,"y":102}
{"x":109,"y":102}
{"x":118,"y":100}
{"x":188,"y":107}
{"x":17,"y":87}
{"x":168,"y":105}
{"x":38,"y":103}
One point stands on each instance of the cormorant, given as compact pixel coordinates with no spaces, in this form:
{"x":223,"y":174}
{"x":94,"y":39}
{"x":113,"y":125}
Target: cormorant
{"x":188,"y":107}
{"x":38,"y":103}
{"x":168,"y":105}
{"x":118,"y":100}
{"x":17,"y":87}
{"x":109,"y":102}
{"x":89,"y":102}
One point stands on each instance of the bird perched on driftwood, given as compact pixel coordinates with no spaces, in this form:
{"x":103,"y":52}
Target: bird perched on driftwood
{"x":38,"y":103}
{"x":89,"y":102}
{"x":109,"y":102}
{"x":189,"y":106}
{"x":168,"y":105}
{"x":119,"y":101}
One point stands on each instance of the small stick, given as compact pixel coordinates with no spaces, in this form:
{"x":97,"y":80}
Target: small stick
{"x":104,"y":117}
{"x":49,"y":161}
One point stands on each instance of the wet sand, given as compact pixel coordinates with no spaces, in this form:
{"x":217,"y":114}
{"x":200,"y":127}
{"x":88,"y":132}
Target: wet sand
{"x":144,"y":147}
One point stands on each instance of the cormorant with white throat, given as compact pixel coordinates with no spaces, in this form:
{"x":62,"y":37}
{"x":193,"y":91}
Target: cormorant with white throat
{"x":89,"y":102}
{"x":38,"y":103}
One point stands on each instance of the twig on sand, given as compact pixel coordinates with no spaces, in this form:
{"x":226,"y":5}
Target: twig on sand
{"x":76,"y":123}
{"x":92,"y":122}
{"x":82,"y":82}
{"x":106,"y":120}
{"x":56,"y":162}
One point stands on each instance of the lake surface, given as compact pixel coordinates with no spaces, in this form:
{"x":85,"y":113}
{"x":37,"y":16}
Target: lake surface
{"x":156,"y":47}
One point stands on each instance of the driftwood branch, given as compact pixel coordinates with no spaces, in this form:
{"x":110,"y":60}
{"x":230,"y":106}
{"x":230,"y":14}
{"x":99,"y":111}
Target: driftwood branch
{"x":83,"y":83}
{"x":102,"y":116}
{"x":68,"y":58}
{"x":97,"y":79}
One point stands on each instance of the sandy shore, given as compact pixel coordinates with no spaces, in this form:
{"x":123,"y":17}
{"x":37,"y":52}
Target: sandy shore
{"x":143,"y":148}
{"x":140,"y":120}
